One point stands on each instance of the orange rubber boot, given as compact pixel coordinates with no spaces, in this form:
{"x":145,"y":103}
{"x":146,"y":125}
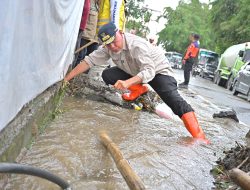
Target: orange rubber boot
{"x":190,"y":121}
{"x":135,"y":92}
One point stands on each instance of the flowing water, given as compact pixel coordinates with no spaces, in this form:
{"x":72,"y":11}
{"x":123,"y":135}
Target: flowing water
{"x":160,"y":151}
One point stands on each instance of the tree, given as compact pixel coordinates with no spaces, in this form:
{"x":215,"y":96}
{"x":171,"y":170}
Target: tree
{"x":230,"y":21}
{"x":138,"y":17}
{"x":187,"y":18}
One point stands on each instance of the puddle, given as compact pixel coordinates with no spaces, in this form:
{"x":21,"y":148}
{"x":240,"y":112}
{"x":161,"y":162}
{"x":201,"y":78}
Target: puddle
{"x":160,"y":151}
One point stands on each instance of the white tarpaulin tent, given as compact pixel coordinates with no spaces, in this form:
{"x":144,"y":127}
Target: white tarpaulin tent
{"x":37,"y":42}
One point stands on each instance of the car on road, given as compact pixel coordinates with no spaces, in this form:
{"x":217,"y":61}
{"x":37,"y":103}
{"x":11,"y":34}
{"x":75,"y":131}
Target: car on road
{"x":175,"y":59}
{"x":241,"y":83}
{"x":207,"y":63}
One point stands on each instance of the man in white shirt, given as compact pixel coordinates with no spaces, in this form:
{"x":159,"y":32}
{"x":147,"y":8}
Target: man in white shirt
{"x":137,"y":62}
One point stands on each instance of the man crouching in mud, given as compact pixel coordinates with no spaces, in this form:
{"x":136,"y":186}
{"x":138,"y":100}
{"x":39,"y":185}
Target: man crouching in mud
{"x":138,"y":62}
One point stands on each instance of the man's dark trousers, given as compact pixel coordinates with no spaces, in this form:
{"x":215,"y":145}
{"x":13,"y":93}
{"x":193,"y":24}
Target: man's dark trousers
{"x":165,"y":86}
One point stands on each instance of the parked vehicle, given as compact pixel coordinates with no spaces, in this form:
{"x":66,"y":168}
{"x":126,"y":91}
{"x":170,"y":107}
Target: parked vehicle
{"x":175,"y":59}
{"x":196,"y":70}
{"x":230,"y":63}
{"x":241,"y":83}
{"x":208,"y":60}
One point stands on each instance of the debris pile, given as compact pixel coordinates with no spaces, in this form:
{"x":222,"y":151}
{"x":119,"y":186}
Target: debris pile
{"x":237,"y":157}
{"x":92,"y":86}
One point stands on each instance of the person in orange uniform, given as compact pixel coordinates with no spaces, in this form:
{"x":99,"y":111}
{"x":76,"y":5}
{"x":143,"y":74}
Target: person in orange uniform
{"x":189,"y":58}
{"x":137,"y":63}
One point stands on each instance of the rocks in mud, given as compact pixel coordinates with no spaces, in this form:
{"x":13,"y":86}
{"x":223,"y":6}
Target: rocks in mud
{"x":226,"y":114}
{"x":92,"y":86}
{"x":248,"y":135}
{"x":236,"y":157}
{"x":248,"y":139}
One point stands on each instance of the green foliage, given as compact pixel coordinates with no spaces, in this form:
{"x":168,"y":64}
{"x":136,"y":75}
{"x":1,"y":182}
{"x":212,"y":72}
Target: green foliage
{"x":222,"y":179}
{"x":230,"y":22}
{"x":220,"y":24}
{"x":187,"y":18}
{"x":138,"y":17}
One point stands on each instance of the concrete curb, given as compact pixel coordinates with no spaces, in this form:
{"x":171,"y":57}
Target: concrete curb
{"x":27,"y":124}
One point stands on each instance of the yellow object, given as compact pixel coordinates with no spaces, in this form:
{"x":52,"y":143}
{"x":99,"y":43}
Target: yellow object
{"x":137,"y":107}
{"x":108,"y":12}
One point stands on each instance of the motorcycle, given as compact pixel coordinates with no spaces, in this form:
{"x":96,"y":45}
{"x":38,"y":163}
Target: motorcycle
{"x":196,"y":70}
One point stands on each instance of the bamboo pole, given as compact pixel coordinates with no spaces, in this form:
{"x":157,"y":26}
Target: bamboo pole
{"x":86,"y":45}
{"x":131,"y":178}
{"x":240,"y":178}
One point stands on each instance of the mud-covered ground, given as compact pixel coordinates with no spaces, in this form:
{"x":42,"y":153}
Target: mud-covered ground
{"x":159,"y":150}
{"x":236,"y":157}
{"x":92,"y":86}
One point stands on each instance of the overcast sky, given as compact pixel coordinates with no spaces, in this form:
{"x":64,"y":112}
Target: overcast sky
{"x":159,"y":5}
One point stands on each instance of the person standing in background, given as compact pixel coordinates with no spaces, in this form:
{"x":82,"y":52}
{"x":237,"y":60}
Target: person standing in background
{"x":101,"y":12}
{"x":152,"y":41}
{"x":112,"y":11}
{"x":89,"y":32}
{"x":132,"y":31}
{"x":189,"y":58}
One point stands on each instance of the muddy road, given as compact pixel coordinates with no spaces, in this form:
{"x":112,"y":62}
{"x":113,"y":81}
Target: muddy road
{"x":219,"y":96}
{"x":159,"y":150}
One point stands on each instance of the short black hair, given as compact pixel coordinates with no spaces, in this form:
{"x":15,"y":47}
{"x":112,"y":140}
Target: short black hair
{"x":196,"y":36}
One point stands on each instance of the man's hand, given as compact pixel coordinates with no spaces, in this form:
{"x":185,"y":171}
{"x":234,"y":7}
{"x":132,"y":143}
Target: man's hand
{"x":80,"y":68}
{"x":183,"y":61}
{"x":121,"y":85}
{"x":65,"y":83}
{"x":125,"y":84}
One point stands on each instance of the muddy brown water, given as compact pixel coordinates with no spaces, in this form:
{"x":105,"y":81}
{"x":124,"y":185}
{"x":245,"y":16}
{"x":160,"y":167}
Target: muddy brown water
{"x":159,"y":150}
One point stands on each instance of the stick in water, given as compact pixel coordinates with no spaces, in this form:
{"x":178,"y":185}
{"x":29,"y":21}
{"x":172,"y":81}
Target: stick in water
{"x":240,"y":178}
{"x":131,"y":178}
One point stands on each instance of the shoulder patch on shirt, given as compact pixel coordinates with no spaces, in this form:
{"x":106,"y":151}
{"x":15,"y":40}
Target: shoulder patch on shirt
{"x":196,"y":44}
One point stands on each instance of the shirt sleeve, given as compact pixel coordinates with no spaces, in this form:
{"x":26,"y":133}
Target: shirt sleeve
{"x":98,"y":57}
{"x":115,"y":6}
{"x":146,"y":64}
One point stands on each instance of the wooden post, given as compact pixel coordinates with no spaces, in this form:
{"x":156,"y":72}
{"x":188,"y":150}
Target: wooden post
{"x":131,"y":178}
{"x":86,"y":45}
{"x":240,"y":178}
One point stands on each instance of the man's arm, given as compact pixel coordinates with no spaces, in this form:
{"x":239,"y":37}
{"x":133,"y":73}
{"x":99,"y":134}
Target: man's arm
{"x":97,"y":57}
{"x":80,"y":68}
